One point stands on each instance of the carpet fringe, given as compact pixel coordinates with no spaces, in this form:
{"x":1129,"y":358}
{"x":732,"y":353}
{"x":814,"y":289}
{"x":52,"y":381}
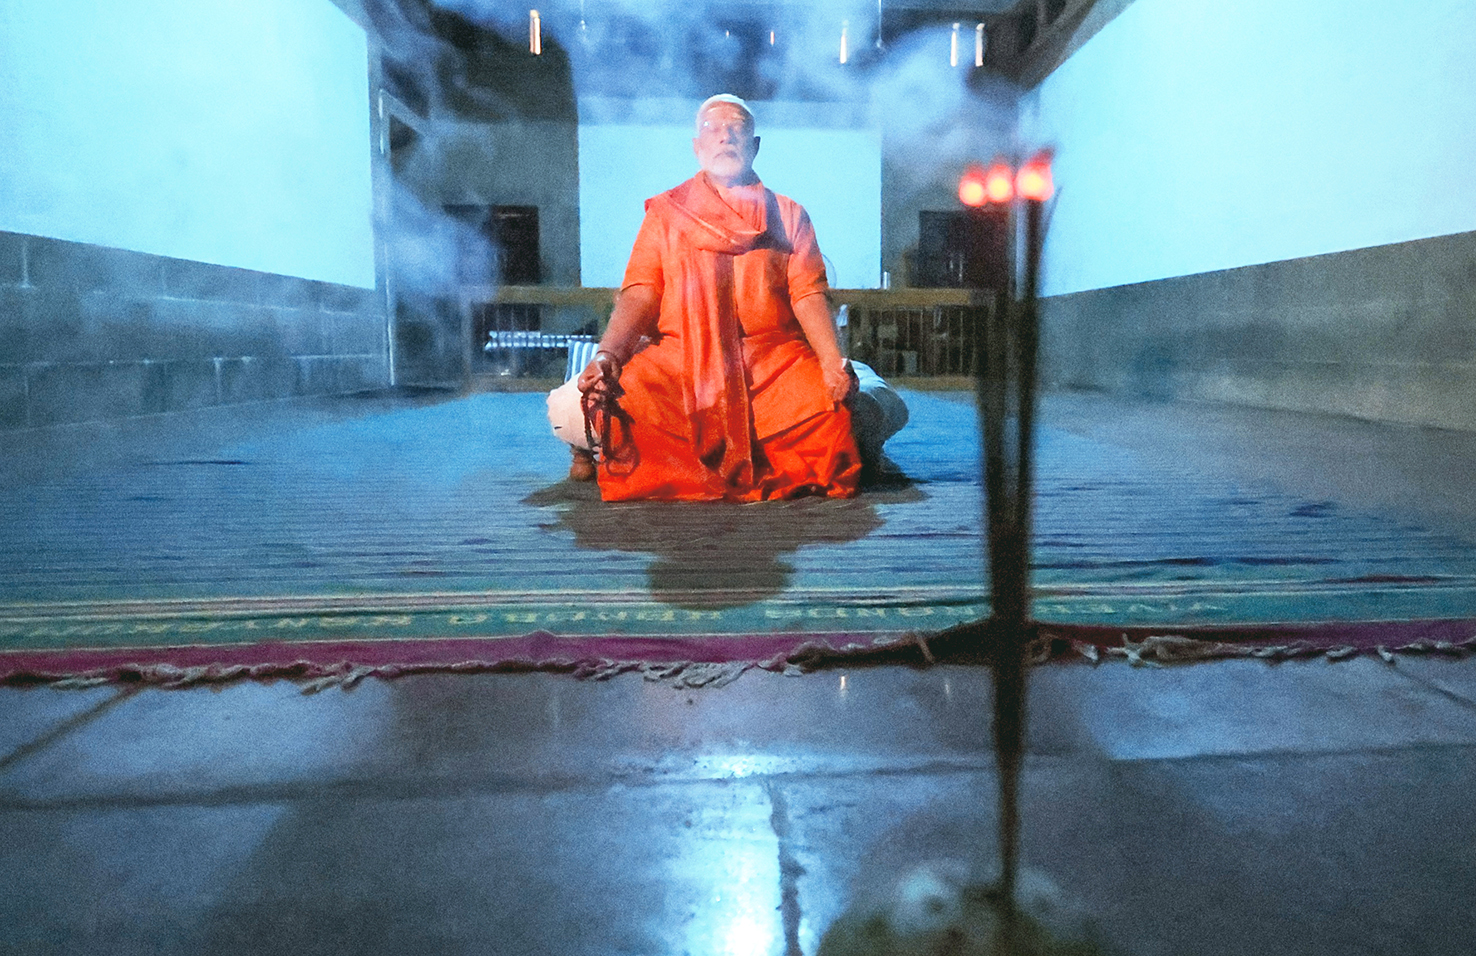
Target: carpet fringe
{"x":345,"y":675}
{"x":1152,"y":651}
{"x":682,"y":674}
{"x":1160,"y":650}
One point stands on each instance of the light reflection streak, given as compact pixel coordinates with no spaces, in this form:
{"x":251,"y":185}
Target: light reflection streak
{"x":730,"y":860}
{"x":747,"y":935}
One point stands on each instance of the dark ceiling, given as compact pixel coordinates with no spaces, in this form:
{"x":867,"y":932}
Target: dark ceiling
{"x":473,"y":59}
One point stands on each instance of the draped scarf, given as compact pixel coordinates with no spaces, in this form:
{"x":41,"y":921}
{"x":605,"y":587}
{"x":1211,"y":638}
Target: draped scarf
{"x":711,"y":233}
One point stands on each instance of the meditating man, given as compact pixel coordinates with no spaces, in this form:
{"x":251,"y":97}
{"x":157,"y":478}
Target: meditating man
{"x":719,"y":375}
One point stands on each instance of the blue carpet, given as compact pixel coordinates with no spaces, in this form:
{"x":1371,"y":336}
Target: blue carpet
{"x":459,"y":509}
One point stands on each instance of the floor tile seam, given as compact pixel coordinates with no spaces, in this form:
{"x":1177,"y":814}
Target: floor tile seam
{"x":64,"y":728}
{"x":1293,"y":754}
{"x":411,"y":788}
{"x":1465,"y":702}
{"x":790,"y":869}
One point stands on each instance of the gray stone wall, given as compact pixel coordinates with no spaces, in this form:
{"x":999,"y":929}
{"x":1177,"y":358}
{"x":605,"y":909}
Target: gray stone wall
{"x":922,"y":162}
{"x":89,"y":333}
{"x":1386,"y":333}
{"x":511,"y":162}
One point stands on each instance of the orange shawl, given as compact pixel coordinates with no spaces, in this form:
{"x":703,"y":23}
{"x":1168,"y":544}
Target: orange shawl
{"x":712,"y":232}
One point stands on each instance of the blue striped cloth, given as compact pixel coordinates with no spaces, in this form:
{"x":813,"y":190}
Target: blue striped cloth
{"x":580,"y":354}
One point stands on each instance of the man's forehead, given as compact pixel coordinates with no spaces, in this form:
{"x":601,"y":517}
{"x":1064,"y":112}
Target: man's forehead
{"x":726,"y":111}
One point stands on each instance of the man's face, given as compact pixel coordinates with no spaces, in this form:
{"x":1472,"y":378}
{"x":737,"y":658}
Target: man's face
{"x":725,"y":144}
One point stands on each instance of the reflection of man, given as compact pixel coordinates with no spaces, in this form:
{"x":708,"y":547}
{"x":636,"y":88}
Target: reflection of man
{"x":722,"y":342}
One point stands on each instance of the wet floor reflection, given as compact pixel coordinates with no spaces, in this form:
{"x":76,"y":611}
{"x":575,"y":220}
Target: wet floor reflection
{"x":715,"y":554}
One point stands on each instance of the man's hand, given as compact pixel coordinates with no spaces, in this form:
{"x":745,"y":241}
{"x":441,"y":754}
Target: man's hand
{"x":603,"y":371}
{"x":840,"y":381}
{"x":813,"y":313}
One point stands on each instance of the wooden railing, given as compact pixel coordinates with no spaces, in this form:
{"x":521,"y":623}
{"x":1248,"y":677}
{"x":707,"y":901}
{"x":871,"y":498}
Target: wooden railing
{"x":896,"y":331}
{"x":554,"y":311}
{"x":902,"y":332}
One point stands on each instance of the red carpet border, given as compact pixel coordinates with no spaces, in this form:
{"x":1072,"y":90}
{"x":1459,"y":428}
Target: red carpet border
{"x":703,"y":660}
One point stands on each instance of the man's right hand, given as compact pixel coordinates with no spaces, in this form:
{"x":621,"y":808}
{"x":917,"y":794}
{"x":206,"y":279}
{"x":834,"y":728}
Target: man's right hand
{"x":604,"y":370}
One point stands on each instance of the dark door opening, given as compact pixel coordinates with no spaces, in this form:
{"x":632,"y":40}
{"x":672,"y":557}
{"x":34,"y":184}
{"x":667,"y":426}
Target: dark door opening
{"x":960,"y":250}
{"x":505,"y":250}
{"x":514,"y":233}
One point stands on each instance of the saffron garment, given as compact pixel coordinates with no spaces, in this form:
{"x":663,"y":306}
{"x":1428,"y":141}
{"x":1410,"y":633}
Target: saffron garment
{"x":727,"y":401}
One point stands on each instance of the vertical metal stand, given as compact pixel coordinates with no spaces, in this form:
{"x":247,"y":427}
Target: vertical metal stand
{"x":1006,"y":382}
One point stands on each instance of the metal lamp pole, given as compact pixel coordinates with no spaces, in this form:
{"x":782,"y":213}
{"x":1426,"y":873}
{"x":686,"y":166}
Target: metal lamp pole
{"x":1006,"y":226}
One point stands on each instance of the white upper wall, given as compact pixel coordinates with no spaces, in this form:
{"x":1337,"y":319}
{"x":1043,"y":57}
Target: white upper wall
{"x":1198,"y":135}
{"x":234,"y":132}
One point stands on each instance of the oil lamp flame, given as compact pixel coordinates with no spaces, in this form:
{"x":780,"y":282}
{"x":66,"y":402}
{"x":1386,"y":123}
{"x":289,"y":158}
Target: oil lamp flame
{"x":1034,"y":180}
{"x":999,"y":182}
{"x":971,"y":188}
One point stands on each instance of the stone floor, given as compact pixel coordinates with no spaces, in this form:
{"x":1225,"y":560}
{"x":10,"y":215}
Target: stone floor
{"x":1236,"y":807}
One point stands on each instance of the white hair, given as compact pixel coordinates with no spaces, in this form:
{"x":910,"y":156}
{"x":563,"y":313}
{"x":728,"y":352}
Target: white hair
{"x":728,"y":98}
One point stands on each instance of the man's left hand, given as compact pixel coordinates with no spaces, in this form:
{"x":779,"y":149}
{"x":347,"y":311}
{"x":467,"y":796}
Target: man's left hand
{"x":840,"y":381}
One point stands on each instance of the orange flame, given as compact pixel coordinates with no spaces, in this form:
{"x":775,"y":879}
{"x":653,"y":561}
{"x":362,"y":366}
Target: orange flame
{"x":999,"y":182}
{"x":1034,"y":181}
{"x":971,"y":189}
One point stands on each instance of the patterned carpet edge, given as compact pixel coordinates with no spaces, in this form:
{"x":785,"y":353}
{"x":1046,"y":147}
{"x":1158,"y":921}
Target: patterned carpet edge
{"x":696,"y":661}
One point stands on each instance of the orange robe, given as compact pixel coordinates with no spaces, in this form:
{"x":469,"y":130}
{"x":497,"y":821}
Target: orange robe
{"x":728,"y":400}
